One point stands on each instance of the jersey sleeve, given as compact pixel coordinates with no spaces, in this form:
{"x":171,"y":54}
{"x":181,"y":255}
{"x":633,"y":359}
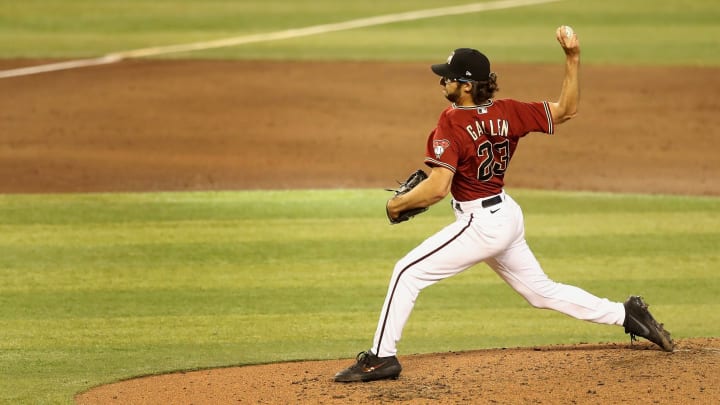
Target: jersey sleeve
{"x":443,"y":148}
{"x":532,"y":117}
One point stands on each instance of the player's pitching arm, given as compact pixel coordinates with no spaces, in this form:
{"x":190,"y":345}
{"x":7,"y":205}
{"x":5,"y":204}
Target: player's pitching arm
{"x":567,"y":105}
{"x":427,"y":193}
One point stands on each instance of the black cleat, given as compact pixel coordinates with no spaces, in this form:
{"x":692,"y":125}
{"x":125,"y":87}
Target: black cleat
{"x":370,"y":367}
{"x":639,"y":322}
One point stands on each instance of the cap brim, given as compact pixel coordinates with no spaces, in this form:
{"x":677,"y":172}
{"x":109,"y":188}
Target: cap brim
{"x":442,"y":69}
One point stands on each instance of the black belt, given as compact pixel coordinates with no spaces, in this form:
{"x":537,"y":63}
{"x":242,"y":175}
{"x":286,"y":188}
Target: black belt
{"x":485,"y":203}
{"x":491,"y":201}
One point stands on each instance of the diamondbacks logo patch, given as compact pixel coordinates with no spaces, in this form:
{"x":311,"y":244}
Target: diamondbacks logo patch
{"x":439,"y":146}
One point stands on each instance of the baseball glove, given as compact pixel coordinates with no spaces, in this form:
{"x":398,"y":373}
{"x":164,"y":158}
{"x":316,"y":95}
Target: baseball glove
{"x":405,"y":187}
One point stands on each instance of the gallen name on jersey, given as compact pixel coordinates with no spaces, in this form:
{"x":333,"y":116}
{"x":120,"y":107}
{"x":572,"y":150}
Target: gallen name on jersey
{"x":497,"y":127}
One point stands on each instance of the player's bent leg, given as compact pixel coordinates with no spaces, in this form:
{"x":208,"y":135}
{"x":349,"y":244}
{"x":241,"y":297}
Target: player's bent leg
{"x":433,"y":260}
{"x":437,"y":258}
{"x":521,"y":270}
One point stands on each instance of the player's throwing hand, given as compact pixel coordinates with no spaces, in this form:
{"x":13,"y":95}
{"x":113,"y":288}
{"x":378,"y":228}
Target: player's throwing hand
{"x":568,"y":40}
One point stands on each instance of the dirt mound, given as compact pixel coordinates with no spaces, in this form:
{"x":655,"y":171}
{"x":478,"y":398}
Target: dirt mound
{"x":604,"y":373}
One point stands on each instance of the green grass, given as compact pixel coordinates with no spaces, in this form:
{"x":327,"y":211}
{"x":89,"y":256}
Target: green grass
{"x":99,"y":287}
{"x":667,"y":32}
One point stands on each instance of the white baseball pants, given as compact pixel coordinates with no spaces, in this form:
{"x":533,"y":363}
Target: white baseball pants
{"x":494,"y":235}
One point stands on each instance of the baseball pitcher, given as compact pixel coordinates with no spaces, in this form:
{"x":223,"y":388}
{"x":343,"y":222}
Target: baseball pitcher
{"x":468,"y":154}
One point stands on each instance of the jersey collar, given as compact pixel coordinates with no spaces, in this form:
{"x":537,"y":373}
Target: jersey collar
{"x":473,"y":107}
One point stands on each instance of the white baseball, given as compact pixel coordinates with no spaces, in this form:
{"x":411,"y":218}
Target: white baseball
{"x":568,"y":31}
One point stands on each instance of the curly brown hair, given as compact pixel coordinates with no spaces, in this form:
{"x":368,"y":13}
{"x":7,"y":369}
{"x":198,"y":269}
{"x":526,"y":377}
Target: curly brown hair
{"x":483,"y":91}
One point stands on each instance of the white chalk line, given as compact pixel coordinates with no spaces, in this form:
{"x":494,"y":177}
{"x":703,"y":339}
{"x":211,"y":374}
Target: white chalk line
{"x":273,"y":36}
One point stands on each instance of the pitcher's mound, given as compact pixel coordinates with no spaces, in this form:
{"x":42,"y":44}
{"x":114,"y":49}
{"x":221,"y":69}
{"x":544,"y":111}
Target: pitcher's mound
{"x":584,"y":373}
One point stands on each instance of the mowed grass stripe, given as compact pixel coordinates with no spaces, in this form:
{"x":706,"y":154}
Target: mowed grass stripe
{"x":612,"y":31}
{"x":600,"y":220}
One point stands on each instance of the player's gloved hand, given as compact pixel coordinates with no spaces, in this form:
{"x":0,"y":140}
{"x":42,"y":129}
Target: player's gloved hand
{"x":405,"y":187}
{"x":405,"y":215}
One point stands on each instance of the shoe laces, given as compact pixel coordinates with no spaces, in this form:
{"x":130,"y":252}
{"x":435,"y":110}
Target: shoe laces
{"x":364,"y":358}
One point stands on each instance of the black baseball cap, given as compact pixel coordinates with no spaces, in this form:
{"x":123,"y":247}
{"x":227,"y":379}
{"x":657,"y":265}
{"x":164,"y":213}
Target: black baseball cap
{"x":464,"y":63}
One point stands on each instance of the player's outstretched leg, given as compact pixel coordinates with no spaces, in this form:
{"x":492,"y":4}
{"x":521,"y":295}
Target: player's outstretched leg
{"x":370,"y":367}
{"x":639,"y":322}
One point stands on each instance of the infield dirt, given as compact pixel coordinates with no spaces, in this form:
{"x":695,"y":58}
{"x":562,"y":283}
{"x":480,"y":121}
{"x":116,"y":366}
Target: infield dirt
{"x":195,"y":125}
{"x":225,"y":125}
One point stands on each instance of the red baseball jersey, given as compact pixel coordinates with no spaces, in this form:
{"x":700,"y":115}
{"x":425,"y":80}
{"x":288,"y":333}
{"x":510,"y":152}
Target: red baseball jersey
{"x":477,"y":143}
